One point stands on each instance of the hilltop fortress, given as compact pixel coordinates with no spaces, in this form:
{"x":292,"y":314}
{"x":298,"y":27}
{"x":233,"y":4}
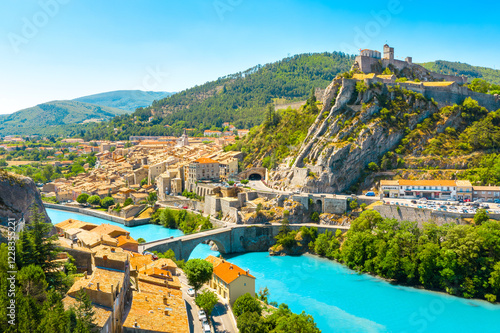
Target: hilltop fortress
{"x":444,"y":89}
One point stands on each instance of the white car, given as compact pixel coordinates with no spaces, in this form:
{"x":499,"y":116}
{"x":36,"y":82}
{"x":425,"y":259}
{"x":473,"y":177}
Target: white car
{"x":206,"y":327}
{"x":190,"y":292}
{"x":201,"y":315}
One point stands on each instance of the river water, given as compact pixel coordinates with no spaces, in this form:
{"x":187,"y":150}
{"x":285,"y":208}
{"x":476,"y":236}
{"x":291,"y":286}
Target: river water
{"x":339,"y":299}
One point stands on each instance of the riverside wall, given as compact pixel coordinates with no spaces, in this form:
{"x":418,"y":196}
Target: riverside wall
{"x":98,"y":214}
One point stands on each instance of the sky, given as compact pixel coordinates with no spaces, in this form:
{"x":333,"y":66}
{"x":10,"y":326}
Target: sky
{"x":64,"y":49}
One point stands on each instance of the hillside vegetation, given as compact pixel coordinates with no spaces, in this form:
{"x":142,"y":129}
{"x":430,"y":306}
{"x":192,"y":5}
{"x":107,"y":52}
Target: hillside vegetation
{"x":128,"y":100}
{"x":458,"y":68}
{"x":239,"y":98}
{"x":44,"y":117}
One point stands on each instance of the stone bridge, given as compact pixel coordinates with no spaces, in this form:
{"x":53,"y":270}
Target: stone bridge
{"x":231,"y":239}
{"x":254,"y":173}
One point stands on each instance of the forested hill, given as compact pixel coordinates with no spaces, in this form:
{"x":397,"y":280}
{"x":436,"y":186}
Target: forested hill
{"x":457,"y":68}
{"x":240,"y":98}
{"x":128,"y":100}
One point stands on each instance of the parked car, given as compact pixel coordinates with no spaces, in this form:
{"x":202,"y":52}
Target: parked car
{"x":206,"y":328}
{"x":414,"y":202}
{"x":190,"y":292}
{"x":370,"y":194}
{"x":185,"y":207}
{"x":422,"y":199}
{"x":201,"y":315}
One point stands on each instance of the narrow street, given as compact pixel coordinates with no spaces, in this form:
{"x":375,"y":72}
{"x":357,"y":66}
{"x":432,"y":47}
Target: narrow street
{"x":222,"y":321}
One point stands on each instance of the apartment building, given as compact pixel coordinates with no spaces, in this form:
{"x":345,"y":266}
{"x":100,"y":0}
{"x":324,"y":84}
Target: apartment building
{"x":430,"y":189}
{"x":202,"y":169}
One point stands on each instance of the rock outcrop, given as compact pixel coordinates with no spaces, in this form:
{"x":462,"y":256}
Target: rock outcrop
{"x":360,"y":127}
{"x":18,"y":195}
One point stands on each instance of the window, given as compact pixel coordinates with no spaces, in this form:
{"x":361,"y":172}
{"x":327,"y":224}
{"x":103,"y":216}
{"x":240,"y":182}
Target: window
{"x":475,"y":192}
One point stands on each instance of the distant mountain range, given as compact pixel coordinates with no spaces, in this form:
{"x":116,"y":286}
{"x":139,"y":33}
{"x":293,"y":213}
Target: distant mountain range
{"x":56,"y":117}
{"x":127,"y":100}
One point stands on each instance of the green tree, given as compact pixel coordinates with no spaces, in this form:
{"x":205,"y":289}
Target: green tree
{"x":82,"y":198}
{"x":151,"y":199}
{"x":264,"y":295}
{"x":85,"y":314}
{"x":315,"y":217}
{"x":141,"y":240}
{"x":373,"y":166}
{"x":207,"y":300}
{"x":167,"y":219}
{"x":303,"y":323}
{"x":144,"y":182}
{"x":252,"y":322}
{"x":245,"y":181}
{"x":246,"y":303}
{"x":479,"y":85}
{"x":128,"y":202}
{"x":198,"y":272}
{"x":481,"y":216}
{"x":94,"y":200}
{"x":107,"y":202}
{"x":353,"y":204}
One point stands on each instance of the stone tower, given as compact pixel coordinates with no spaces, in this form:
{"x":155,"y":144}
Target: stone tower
{"x":183,"y":140}
{"x":388,"y":52}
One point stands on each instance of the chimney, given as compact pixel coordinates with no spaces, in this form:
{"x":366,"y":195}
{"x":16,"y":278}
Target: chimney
{"x":112,"y":249}
{"x":239,"y":273}
{"x":111,"y":289}
{"x":248,"y":272}
{"x":165,"y":300}
{"x":72,"y":245}
{"x":136,"y":324}
{"x":146,"y":298}
{"x":105,"y":257}
{"x":98,"y":286}
{"x":231,"y":267}
{"x":128,"y":236}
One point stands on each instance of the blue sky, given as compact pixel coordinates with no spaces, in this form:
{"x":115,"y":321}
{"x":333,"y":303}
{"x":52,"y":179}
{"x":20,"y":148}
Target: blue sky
{"x":63,"y":49}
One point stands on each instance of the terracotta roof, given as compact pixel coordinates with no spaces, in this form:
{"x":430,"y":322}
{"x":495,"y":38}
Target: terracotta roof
{"x":463,"y":183}
{"x":148,"y":306}
{"x":486,"y":188}
{"x":405,"y":182}
{"x":102,"y":313}
{"x":389,"y":182}
{"x":228,"y":272}
{"x":71,"y":224}
{"x":126,"y":240}
{"x":204,"y":160}
{"x":214,"y":260}
{"x":105,"y":277}
{"x":106,"y":229}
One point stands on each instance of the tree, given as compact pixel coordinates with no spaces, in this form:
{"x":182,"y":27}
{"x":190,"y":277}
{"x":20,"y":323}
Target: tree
{"x":353,"y":204}
{"x":251,"y":322}
{"x":245,"y":181}
{"x":303,"y":323}
{"x":207,"y":300}
{"x":107,"y":202}
{"x":373,"y":166}
{"x":82,"y":198}
{"x":264,"y":295}
{"x":481,"y":216}
{"x":315,"y":217}
{"x":151,"y":199}
{"x":167,"y":219}
{"x":3,"y":162}
{"x":128,"y":202}
{"x":85,"y":313}
{"x":246,"y":303}
{"x":479,"y":85}
{"x":94,"y":200}
{"x":144,"y":182}
{"x":141,"y":240}
{"x":198,"y":272}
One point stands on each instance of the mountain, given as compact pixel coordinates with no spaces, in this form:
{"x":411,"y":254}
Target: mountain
{"x":127,"y":100}
{"x":51,"y":117}
{"x":458,"y":68}
{"x":239,"y":98}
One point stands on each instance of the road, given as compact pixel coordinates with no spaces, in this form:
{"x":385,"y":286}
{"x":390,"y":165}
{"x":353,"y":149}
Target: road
{"x":222,"y":321}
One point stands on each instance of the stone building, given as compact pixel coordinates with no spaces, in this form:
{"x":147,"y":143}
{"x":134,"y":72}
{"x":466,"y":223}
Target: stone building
{"x":203,"y":169}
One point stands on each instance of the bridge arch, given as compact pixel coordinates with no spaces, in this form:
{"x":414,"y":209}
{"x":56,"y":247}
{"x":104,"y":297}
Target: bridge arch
{"x":190,"y":249}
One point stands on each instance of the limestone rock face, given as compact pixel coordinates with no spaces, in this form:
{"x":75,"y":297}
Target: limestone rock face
{"x":349,"y":135}
{"x":18,"y":195}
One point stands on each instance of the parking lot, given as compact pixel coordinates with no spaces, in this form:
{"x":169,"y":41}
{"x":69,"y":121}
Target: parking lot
{"x":446,"y":205}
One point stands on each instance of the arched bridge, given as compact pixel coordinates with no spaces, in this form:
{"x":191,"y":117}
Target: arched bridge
{"x":253,"y":174}
{"x":233,"y":239}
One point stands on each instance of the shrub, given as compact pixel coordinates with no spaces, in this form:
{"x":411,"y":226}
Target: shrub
{"x":128,"y":202}
{"x":245,"y":181}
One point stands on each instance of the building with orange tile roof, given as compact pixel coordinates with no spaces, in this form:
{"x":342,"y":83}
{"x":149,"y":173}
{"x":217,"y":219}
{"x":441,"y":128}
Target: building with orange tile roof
{"x":110,"y":230}
{"x":72,"y":224}
{"x":156,"y":309}
{"x":102,"y":315}
{"x":230,"y":281}
{"x":128,"y":243}
{"x":202,"y":169}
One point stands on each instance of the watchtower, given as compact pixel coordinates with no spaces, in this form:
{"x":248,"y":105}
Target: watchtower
{"x":388,"y":52}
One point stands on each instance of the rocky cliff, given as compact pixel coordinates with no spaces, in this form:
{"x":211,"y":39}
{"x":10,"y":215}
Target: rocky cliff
{"x":18,"y":195}
{"x":358,"y":124}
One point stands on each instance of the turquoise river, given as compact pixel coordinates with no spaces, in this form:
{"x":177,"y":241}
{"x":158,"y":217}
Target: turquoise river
{"x":339,"y":299}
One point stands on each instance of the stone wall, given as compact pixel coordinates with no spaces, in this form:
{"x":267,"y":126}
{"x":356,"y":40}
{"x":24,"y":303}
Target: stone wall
{"x":421,"y":215}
